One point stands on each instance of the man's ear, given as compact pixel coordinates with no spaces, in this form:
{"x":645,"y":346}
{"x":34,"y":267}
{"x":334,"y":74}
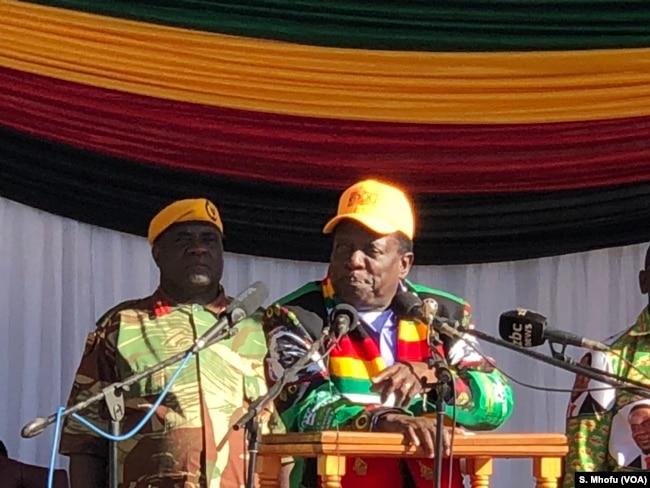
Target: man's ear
{"x":643,"y":282}
{"x":405,"y":262}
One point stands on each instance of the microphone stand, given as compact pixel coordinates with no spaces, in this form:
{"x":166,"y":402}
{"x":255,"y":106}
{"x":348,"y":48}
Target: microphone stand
{"x":113,"y":396}
{"x":444,"y":394}
{"x":250,"y":420}
{"x":457,"y":331}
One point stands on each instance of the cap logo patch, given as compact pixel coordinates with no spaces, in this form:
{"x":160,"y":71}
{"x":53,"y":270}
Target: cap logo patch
{"x":211,"y":210}
{"x":362,"y":198}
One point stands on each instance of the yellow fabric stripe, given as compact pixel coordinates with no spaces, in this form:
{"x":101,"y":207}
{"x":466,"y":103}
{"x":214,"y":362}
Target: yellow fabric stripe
{"x":285,"y":78}
{"x":356,"y":368}
{"x":412,"y":332}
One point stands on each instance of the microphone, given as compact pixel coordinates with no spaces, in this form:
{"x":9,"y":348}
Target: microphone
{"x":525,"y":328}
{"x":409,"y":305}
{"x":343,"y":319}
{"x":242,"y":306}
{"x":35,"y":427}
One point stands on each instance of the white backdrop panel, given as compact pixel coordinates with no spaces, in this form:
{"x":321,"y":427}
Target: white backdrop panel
{"x":57,"y":276}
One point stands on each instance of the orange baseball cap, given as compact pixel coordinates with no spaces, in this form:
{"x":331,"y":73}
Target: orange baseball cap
{"x":189,"y":210}
{"x":379,"y":206}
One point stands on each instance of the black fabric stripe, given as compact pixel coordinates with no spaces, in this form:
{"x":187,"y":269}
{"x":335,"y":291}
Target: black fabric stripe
{"x":285,"y":222}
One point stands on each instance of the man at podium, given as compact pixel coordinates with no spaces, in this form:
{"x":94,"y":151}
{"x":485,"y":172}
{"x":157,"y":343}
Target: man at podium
{"x":377,"y":377}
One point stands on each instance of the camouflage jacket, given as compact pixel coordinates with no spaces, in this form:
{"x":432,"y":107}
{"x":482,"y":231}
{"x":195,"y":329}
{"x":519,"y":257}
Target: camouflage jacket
{"x":188,"y":442}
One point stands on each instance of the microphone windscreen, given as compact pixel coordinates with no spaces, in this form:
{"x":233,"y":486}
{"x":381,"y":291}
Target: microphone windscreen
{"x":250,"y":299}
{"x":406,"y":304}
{"x":522,"y":327}
{"x":348,"y":314}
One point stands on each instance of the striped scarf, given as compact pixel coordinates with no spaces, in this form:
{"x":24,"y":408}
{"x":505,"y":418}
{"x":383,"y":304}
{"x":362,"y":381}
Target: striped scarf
{"x":357,"y":358}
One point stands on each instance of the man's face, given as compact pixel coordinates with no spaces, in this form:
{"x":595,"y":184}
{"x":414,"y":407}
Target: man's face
{"x":640,"y":425}
{"x":366,"y":268}
{"x":190,"y":255}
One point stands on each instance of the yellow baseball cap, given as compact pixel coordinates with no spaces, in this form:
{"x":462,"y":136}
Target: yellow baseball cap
{"x":379,"y":206}
{"x":189,"y":210}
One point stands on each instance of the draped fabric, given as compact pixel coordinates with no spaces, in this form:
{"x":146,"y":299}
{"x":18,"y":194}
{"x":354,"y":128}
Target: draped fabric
{"x":445,"y":25}
{"x":314,"y":152}
{"x":520,"y":128}
{"x":60,"y":275}
{"x":297,"y":79}
{"x":286,"y":221}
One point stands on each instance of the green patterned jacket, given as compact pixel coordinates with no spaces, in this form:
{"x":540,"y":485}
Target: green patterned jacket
{"x":328,"y":396}
{"x":610,"y":431}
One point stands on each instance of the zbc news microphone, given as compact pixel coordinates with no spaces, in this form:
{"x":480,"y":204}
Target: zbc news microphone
{"x":525,"y":328}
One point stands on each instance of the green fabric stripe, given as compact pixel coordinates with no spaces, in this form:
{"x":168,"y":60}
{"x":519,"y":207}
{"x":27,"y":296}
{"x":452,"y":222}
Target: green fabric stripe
{"x":352,"y":385}
{"x":475,"y":25}
{"x":426,"y":289}
{"x":310,"y":287}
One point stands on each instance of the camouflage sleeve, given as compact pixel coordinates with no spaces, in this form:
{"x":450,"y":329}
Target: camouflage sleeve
{"x":96,"y":371}
{"x":310,"y":401}
{"x":589,"y":418}
{"x":250,"y":344}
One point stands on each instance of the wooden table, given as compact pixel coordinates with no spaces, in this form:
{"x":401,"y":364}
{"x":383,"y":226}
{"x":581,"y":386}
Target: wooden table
{"x":331,"y":449}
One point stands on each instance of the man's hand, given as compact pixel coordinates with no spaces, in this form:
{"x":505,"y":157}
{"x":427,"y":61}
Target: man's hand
{"x":284,"y":477}
{"x":418,"y":431}
{"x":405,"y":379}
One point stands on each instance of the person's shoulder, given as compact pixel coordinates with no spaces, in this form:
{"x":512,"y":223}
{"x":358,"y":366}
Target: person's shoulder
{"x":449,"y":305}
{"x":305,"y":308}
{"x":248,"y":339}
{"x":638,"y":328}
{"x":253,"y":322}
{"x":425,"y":291}
{"x":126,"y":308}
{"x":306,"y":293}
{"x":305,"y":300}
{"x":614,"y":338}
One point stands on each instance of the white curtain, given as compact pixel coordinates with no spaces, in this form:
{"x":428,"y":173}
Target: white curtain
{"x":57,"y":276}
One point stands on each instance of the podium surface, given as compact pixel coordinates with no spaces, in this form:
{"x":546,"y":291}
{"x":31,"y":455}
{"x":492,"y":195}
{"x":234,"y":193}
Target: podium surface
{"x":331,"y":448}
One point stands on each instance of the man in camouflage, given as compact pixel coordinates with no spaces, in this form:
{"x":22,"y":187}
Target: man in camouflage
{"x":188,"y":442}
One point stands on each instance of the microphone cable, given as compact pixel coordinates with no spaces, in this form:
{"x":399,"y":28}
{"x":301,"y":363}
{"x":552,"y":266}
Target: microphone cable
{"x":492,"y":363}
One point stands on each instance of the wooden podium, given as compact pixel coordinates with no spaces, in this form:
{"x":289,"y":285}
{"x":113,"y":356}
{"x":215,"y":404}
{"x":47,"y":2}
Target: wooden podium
{"x":331,"y":449}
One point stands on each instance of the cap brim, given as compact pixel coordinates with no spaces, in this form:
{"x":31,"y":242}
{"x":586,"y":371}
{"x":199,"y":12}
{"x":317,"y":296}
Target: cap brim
{"x":373,"y":223}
